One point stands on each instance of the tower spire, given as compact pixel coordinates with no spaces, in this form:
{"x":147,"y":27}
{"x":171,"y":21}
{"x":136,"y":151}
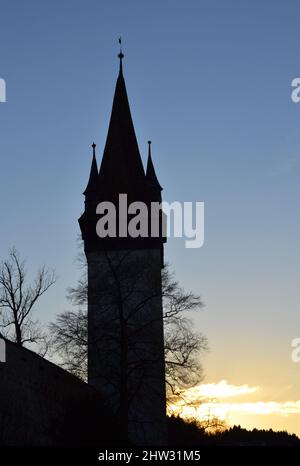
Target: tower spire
{"x":121,"y":169}
{"x":150,"y":172}
{"x":92,"y":183}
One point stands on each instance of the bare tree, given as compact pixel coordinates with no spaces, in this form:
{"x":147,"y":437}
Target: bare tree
{"x":183,"y":344}
{"x":125,"y":336}
{"x":18,"y":299}
{"x":69,"y":341}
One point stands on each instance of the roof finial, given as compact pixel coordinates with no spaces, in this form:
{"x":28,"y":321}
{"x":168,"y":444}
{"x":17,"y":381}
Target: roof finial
{"x":94,"y":149}
{"x":149,"y":148}
{"x":121,"y":54}
{"x":150,"y":172}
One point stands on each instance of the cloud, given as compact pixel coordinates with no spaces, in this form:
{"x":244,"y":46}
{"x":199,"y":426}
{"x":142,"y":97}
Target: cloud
{"x":283,"y":408}
{"x":207,"y":400}
{"x":221,"y":389}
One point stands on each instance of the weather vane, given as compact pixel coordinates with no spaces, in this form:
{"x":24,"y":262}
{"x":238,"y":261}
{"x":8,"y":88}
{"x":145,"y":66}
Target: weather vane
{"x":121,"y":55}
{"x":94,"y":149}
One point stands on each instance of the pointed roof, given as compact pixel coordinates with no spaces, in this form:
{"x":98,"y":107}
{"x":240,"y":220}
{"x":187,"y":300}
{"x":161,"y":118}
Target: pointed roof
{"x":93,"y":179}
{"x":150,"y":172}
{"x":121,"y":167}
{"x":121,"y":171}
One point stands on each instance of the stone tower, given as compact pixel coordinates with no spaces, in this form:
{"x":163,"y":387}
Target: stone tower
{"x":125,"y":318}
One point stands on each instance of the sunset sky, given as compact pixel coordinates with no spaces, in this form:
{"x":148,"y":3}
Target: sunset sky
{"x":209,"y":82}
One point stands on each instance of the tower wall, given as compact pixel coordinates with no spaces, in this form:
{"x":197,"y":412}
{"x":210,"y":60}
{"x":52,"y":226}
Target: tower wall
{"x":125,"y":332}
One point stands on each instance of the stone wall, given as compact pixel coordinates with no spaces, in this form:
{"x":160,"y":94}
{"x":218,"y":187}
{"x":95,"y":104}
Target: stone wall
{"x":38,"y":400}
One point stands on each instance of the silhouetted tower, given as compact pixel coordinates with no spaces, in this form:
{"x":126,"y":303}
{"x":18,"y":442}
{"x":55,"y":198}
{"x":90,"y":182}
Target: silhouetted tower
{"x":125,"y":319}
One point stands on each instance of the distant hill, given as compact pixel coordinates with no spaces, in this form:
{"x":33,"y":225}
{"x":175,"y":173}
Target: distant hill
{"x":184,"y":433}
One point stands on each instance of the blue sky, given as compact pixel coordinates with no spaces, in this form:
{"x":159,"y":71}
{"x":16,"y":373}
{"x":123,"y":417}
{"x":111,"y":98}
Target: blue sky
{"x":209,"y":82}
